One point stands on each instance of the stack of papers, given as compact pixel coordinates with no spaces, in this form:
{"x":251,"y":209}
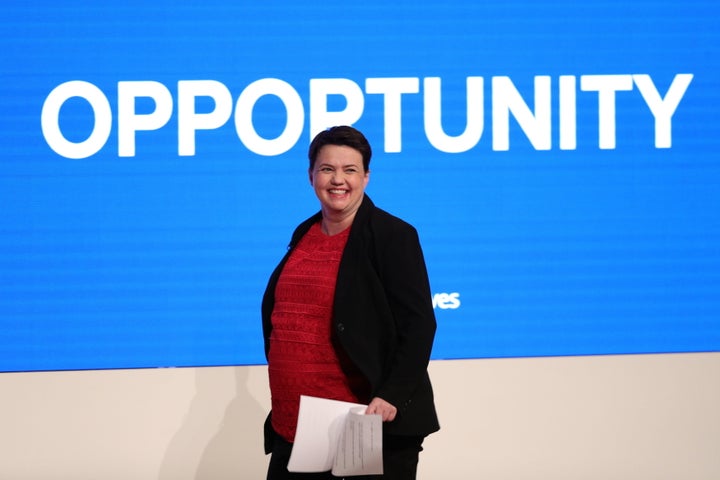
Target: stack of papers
{"x":337,"y":436}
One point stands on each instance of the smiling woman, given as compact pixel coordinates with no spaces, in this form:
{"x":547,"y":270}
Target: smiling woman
{"x":339,"y":179}
{"x":347,"y":315}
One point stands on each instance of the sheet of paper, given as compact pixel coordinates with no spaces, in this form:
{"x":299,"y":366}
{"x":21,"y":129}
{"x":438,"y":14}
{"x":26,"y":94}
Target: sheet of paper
{"x":360,"y":446}
{"x":321,"y":423}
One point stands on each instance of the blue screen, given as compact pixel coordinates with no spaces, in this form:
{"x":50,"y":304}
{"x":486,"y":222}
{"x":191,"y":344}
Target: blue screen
{"x":559,"y":161}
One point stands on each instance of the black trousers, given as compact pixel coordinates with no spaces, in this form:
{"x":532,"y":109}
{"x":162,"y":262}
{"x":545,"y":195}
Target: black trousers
{"x":400,"y":460}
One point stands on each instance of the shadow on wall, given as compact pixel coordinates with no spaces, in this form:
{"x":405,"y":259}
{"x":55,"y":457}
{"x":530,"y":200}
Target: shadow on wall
{"x":218,"y":440}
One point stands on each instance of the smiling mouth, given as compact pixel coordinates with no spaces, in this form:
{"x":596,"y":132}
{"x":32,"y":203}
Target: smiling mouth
{"x":337,"y":192}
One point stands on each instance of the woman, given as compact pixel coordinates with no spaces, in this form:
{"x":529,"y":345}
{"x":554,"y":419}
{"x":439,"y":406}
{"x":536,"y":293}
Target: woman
{"x":347,"y":314}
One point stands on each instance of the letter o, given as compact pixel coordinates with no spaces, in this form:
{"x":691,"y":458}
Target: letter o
{"x":51,"y":126}
{"x":295,"y":116}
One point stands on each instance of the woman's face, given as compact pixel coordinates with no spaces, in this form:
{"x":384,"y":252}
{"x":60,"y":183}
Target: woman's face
{"x":339,"y":179}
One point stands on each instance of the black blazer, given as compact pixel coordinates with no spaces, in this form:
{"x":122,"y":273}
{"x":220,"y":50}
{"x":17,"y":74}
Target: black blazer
{"x":382,"y":313}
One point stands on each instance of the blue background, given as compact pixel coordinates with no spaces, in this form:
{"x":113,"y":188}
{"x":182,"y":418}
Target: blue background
{"x":161,"y":260}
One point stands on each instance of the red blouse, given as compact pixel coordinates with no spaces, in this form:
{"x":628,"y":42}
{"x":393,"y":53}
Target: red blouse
{"x":302,"y":359}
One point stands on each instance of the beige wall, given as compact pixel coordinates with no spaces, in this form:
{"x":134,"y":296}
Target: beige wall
{"x":581,"y":418}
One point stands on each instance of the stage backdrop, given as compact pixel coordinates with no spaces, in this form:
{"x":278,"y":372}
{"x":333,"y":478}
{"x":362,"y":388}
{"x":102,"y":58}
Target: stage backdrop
{"x":559,"y":160}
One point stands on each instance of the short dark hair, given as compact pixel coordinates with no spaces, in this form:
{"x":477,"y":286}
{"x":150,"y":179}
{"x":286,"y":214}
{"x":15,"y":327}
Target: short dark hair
{"x":341,"y":135}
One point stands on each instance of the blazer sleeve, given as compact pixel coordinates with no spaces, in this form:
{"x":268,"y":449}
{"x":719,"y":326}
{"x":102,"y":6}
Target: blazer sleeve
{"x":401,"y":266}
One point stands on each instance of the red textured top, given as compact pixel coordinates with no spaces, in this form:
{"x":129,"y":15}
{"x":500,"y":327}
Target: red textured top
{"x":302,"y":360}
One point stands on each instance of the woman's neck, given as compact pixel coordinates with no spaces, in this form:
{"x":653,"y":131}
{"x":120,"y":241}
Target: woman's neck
{"x":332,"y":224}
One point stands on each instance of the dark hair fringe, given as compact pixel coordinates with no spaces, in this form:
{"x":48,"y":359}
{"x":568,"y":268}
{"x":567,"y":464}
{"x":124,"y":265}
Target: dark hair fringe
{"x":343,"y":135}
